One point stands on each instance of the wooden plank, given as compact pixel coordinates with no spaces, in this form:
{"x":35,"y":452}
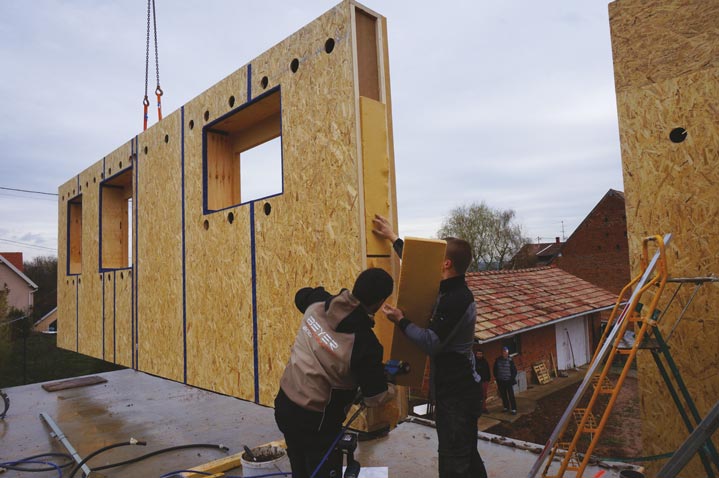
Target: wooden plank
{"x":418,"y":287}
{"x":73,"y":383}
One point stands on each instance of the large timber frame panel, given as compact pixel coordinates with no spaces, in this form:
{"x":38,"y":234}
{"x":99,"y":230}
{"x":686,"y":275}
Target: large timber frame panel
{"x":205,"y":295}
{"x":667,"y":80}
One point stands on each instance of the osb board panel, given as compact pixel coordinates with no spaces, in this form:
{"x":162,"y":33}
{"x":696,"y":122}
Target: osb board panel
{"x":375,"y":165}
{"x":90,"y":281}
{"x":671,"y":187}
{"x":654,"y":40}
{"x":313,"y":234}
{"x":417,"y":292}
{"x":218,"y":265}
{"x":122,"y":290}
{"x":159,"y":249}
{"x":66,"y":292}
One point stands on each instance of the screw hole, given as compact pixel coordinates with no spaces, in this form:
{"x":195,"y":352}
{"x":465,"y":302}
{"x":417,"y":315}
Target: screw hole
{"x":206,"y":224}
{"x":207,"y":115}
{"x":677,"y":135}
{"x":192,"y":124}
{"x":294,"y":65}
{"x":264,"y":82}
{"x":145,"y":149}
{"x":167,"y":139}
{"x":268,"y":209}
{"x":330,"y":45}
{"x":231,"y":101}
{"x":231,"y":217}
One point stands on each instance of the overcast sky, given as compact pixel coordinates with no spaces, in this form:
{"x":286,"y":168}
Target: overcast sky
{"x":507,"y":102}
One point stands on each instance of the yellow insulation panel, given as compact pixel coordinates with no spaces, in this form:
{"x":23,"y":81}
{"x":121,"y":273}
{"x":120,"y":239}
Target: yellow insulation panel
{"x":667,"y":78}
{"x":66,"y":284}
{"x":375,"y":163}
{"x":418,"y":287}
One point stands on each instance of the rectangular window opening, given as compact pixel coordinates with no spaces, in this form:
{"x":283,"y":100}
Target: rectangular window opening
{"x":116,"y":221}
{"x":243,"y":154}
{"x":74,"y":235}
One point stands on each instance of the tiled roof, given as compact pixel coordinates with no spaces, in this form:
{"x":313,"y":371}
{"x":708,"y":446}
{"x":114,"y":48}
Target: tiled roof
{"x":511,"y":300}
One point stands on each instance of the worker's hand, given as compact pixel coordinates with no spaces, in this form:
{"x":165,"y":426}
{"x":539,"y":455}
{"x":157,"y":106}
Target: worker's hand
{"x":383,"y":228}
{"x":393,"y":314}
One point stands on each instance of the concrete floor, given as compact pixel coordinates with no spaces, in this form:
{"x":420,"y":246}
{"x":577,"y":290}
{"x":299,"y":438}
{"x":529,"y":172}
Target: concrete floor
{"x":165,"y":413}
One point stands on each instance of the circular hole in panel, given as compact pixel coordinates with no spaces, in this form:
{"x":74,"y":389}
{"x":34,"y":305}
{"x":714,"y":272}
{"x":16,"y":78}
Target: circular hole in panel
{"x":677,"y":135}
{"x":79,"y":280}
{"x":100,"y":276}
{"x":330,"y":45}
{"x":294,"y":65}
{"x":268,"y":209}
{"x":87,"y":184}
{"x":67,"y":281}
{"x":109,"y":278}
{"x":94,"y":179}
{"x":109,"y":171}
{"x":63,"y":197}
{"x":120,"y":164}
{"x":167,"y":138}
{"x":231,"y":101}
{"x":145,"y":149}
{"x":73,"y":282}
{"x":206,"y":224}
{"x":191,"y":124}
{"x":231,"y":217}
{"x":73,"y":192}
{"x":80,"y":187}
{"x":264,"y":82}
{"x":122,"y":276}
{"x":207,"y":115}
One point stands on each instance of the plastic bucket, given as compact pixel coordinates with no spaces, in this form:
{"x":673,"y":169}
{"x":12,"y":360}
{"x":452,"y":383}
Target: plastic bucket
{"x":630,"y":474}
{"x":270,"y":459}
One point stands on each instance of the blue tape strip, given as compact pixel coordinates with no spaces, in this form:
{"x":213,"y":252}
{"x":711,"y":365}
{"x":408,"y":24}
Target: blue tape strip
{"x":102,"y":276}
{"x":77,"y":314}
{"x":184,"y":276}
{"x":136,"y":269}
{"x":254,"y":302}
{"x":114,"y":317}
{"x":249,"y":81}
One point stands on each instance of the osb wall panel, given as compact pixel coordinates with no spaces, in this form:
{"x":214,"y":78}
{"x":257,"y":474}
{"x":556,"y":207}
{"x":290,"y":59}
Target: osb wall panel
{"x":321,"y":186}
{"x":122,"y":290}
{"x":66,"y":286}
{"x":90,"y":281}
{"x":654,"y":40}
{"x":158,"y":265}
{"x":671,"y":187}
{"x":218,"y":264}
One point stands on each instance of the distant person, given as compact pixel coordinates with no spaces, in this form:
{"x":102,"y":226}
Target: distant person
{"x":335,"y":352}
{"x":505,"y":373}
{"x":454,"y":385}
{"x":481,"y":366}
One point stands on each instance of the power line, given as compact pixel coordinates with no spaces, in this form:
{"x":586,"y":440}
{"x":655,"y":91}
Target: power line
{"x":24,"y":198}
{"x":27,"y":245}
{"x":28,"y":191}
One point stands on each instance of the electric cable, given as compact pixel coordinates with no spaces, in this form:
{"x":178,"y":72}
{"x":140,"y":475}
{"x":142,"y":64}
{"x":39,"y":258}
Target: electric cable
{"x":177,"y":472}
{"x":337,"y":439}
{"x":132,"y":441}
{"x":52,"y":466}
{"x":158,"y":452}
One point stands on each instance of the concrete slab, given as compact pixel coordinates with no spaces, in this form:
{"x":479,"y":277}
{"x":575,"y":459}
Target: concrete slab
{"x":165,"y":413}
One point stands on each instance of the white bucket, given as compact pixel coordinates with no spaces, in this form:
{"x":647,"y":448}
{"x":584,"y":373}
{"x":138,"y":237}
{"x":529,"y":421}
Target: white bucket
{"x":270,"y":459}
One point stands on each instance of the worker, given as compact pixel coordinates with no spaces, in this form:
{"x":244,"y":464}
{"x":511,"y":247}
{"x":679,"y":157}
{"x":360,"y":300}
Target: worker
{"x":505,"y":373}
{"x":335,"y":352}
{"x":448,"y":340}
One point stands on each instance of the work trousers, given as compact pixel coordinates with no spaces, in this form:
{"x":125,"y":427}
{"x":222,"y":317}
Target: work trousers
{"x":306,"y":450}
{"x":456,"y":420}
{"x":506,"y":393}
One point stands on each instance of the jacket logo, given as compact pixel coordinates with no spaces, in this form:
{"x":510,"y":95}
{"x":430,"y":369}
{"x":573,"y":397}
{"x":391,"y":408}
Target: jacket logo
{"x":314,"y":329}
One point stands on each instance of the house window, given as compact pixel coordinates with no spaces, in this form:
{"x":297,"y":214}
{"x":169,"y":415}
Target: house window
{"x":74,"y":235}
{"x":514,"y":344}
{"x":242,"y":154}
{"x":116,"y":221}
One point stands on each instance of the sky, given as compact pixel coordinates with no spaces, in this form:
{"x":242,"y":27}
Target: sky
{"x":510,"y":102}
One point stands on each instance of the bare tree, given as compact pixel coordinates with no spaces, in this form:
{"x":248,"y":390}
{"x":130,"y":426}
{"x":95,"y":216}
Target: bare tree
{"x":493,"y":234}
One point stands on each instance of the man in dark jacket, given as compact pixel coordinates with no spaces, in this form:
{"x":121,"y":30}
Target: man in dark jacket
{"x":481,"y":366}
{"x":454,"y":385}
{"x":335,"y":352}
{"x":505,"y":373}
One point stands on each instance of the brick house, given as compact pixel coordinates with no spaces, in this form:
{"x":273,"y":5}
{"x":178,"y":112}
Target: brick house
{"x":597,"y":251}
{"x":535,"y":255}
{"x":20,"y":288}
{"x":542,"y":314}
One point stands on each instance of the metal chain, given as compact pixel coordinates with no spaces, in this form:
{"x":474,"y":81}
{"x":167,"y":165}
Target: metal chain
{"x":147,"y":48}
{"x":157,"y":57}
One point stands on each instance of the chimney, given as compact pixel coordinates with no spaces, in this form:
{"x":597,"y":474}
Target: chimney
{"x":15,"y":258}
{"x":557,"y":239}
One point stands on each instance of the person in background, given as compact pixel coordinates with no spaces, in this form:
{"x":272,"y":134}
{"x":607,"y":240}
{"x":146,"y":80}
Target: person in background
{"x":505,"y":373}
{"x":481,"y":366}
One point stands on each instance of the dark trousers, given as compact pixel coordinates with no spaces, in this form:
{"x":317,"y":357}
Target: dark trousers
{"x":456,"y":419}
{"x":506,"y":393}
{"x":305,"y":452}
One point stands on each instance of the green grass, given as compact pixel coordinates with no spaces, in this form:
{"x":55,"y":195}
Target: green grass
{"x":44,"y":361}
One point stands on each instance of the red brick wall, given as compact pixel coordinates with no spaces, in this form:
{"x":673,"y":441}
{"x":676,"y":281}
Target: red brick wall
{"x":598,"y":250}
